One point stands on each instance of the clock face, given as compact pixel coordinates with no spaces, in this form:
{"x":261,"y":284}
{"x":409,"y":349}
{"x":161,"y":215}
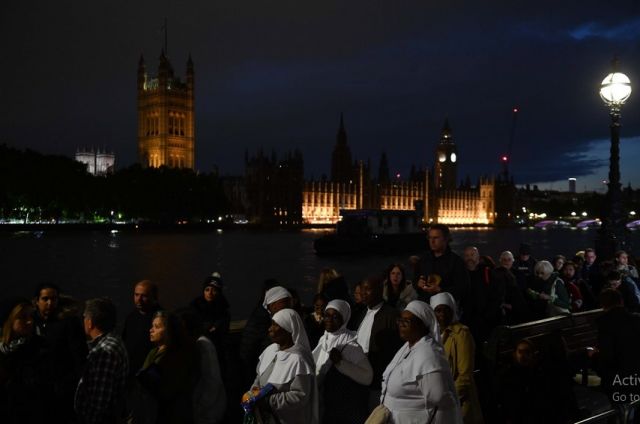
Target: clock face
{"x":453,"y":157}
{"x":442,"y":157}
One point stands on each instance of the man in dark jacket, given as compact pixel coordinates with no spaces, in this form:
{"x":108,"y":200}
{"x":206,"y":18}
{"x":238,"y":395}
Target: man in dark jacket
{"x":523,"y":267}
{"x":64,"y":345}
{"x":138,"y":323}
{"x":441,"y":270}
{"x":481,"y":308}
{"x":377,"y":333}
{"x":592,"y":275}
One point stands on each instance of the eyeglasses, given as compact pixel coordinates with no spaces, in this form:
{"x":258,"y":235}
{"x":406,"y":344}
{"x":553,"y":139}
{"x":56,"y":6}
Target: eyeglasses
{"x":405,"y":322}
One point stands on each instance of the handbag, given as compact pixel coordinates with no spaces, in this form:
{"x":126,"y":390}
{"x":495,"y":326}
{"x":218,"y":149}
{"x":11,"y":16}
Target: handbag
{"x":379,"y":415}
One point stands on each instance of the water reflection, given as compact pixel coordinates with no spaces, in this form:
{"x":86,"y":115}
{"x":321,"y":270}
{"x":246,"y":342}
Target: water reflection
{"x":103,"y":264}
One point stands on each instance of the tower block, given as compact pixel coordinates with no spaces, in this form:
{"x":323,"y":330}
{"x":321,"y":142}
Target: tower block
{"x":166,"y":123}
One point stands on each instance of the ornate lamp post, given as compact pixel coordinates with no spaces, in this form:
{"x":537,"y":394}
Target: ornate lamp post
{"x":614,"y":91}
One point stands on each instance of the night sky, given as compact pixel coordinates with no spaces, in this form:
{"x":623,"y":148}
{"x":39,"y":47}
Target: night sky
{"x":276,"y":74}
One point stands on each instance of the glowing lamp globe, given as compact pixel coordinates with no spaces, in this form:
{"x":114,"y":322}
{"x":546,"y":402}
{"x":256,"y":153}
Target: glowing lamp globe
{"x":615,"y":89}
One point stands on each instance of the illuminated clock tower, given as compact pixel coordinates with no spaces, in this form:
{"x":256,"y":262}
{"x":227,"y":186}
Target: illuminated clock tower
{"x":166,"y":125}
{"x":446,"y":164}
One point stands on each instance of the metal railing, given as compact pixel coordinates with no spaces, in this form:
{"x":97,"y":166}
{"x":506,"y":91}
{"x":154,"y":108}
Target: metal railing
{"x":623,"y":413}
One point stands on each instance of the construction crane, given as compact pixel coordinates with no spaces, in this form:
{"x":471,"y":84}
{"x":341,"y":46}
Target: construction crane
{"x":506,"y":157}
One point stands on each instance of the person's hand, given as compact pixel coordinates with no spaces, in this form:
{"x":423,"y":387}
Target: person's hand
{"x":432,"y":289}
{"x":544,"y":296}
{"x":422,"y":283}
{"x":335,"y":355}
{"x":507,"y":306}
{"x":251,"y":394}
{"x":212,"y":329}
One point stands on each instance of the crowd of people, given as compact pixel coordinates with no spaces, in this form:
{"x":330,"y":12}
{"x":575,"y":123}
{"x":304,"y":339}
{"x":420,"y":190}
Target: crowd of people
{"x":401,"y":346}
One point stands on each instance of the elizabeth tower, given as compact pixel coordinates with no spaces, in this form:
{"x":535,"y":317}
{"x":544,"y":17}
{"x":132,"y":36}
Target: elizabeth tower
{"x":166,"y":125}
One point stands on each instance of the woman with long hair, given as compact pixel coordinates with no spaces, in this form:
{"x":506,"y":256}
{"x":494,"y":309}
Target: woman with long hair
{"x":398,"y":292}
{"x":169,"y":372}
{"x":23,"y":367}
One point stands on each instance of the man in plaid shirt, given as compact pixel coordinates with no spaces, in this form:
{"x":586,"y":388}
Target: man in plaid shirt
{"x":99,"y":396}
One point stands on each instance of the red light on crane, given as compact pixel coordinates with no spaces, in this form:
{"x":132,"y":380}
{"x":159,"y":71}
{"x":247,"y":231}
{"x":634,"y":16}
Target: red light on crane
{"x":515,"y":110}
{"x":504,"y":158}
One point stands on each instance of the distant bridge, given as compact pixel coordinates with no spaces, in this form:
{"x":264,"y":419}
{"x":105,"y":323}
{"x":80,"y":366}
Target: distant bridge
{"x":587,"y":223}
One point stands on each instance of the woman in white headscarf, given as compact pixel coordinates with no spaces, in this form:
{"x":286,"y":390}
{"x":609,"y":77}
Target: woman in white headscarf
{"x":417,"y":386}
{"x":460,"y":350}
{"x":288,"y":365}
{"x":342,"y":369}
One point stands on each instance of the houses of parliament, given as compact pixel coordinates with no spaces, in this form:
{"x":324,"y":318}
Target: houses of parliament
{"x":278,"y":193}
{"x":274,"y":191}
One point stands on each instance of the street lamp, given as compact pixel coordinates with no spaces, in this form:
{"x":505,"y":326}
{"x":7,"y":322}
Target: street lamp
{"x":614,"y":91}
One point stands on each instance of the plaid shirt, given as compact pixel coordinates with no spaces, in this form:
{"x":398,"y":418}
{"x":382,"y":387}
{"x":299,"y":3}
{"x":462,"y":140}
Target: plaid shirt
{"x":101,"y":387}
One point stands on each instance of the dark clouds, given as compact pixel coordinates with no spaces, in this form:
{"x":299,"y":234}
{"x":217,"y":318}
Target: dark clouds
{"x":277,"y":75}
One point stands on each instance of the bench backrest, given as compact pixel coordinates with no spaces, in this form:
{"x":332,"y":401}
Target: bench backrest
{"x":576,"y":331}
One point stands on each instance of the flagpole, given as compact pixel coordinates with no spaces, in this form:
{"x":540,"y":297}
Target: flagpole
{"x":166,"y":44}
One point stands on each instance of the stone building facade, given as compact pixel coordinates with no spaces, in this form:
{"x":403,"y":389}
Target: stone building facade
{"x":98,"y":162}
{"x":166,"y":122}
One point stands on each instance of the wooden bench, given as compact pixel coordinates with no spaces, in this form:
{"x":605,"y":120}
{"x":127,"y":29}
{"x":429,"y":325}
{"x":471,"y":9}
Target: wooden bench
{"x":572,"y":333}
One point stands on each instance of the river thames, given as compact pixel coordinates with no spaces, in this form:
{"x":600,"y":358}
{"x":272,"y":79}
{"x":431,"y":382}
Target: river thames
{"x":91,"y":264}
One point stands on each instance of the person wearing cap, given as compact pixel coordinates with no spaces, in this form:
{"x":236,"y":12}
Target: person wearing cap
{"x":417,"y":385}
{"x":523,"y":266}
{"x":213,"y":309}
{"x":287,"y":364}
{"x":342,"y":369}
{"x":459,"y":349}
{"x":22,"y":368}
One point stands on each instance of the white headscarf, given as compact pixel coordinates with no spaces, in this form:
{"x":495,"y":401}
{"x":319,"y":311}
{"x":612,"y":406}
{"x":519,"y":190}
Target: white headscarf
{"x":426,"y":355}
{"x":291,"y":321}
{"x":274,"y":294}
{"x":296,"y":360}
{"x":343,"y":308}
{"x":338,"y":339}
{"x":445,"y":298}
{"x":424,"y":312}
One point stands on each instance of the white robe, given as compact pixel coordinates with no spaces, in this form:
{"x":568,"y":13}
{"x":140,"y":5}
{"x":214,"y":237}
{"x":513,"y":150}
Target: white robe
{"x":292,"y":372}
{"x":418,"y":380}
